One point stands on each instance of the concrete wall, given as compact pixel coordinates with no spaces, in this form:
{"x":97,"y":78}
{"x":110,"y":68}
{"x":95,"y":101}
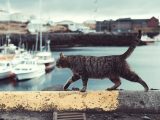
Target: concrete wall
{"x":126,"y":101}
{"x":74,"y":39}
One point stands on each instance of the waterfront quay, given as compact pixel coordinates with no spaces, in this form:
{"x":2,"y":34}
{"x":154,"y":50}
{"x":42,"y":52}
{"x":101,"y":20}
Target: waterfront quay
{"x":47,"y":105}
{"x":73,"y":39}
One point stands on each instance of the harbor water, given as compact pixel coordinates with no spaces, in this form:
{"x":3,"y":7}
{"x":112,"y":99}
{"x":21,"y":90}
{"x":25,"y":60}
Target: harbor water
{"x":145,"y":61}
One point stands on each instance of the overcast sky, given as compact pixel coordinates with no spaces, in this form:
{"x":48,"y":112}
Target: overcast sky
{"x":81,"y":10}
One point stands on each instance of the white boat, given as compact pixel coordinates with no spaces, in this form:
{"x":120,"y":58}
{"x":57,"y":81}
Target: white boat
{"x":45,"y":58}
{"x":28,"y":69}
{"x":18,"y":57}
{"x":147,"y":39}
{"x":8,"y":48}
{"x":6,"y":70}
{"x":157,"y":38}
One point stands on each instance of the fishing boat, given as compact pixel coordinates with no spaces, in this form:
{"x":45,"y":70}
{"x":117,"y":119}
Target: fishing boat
{"x":6,"y":70}
{"x":147,"y":39}
{"x":8,"y":48}
{"x":28,"y":69}
{"x":45,"y":56}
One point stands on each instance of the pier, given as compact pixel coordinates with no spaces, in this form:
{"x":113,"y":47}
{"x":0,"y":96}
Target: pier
{"x":74,"y":39}
{"x":92,"y":103}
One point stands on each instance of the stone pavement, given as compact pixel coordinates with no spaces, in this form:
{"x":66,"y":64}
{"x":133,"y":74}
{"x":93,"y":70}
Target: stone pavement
{"x":98,"y":105}
{"x":24,"y":115}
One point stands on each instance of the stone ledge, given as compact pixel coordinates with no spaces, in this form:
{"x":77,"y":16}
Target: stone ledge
{"x":95,"y":101}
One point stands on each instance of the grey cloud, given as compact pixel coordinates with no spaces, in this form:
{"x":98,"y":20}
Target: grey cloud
{"x":76,"y":8}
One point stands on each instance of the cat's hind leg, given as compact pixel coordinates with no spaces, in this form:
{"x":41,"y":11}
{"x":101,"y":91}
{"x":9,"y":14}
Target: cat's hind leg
{"x":133,"y":77}
{"x":74,"y":78}
{"x":117,"y":82}
{"x":84,"y":81}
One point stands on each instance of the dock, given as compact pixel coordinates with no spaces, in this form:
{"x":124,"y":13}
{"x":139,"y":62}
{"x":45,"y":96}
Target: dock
{"x":91,"y":103}
{"x":74,"y":39}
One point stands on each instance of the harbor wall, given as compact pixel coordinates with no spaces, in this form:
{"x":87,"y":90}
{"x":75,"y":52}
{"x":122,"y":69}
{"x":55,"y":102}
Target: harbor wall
{"x":73,"y":39}
{"x":91,"y":101}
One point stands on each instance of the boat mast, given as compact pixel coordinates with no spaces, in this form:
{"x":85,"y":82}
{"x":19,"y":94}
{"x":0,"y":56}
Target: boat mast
{"x":40,"y":6}
{"x":36,"y":47}
{"x":48,"y":45}
{"x":40,"y":37}
{"x":8,"y":31}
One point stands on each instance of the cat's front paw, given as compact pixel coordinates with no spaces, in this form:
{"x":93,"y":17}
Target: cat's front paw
{"x":83,"y":89}
{"x":109,"y":89}
{"x":66,"y":90}
{"x":75,"y":89}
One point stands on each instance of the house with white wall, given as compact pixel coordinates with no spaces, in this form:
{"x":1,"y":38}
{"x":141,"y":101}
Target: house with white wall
{"x":19,"y":17}
{"x":37,"y":25}
{"x":4,"y":16}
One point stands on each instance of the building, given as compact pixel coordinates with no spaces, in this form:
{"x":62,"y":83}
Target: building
{"x":139,"y":24}
{"x":37,"y":25}
{"x":104,"y":26}
{"x":14,"y":17}
{"x":153,"y":22}
{"x":19,"y":17}
{"x":146,"y":25}
{"x":127,"y":25}
{"x":90,"y":23}
{"x":4,"y":16}
{"x":122,"y":25}
{"x":75,"y":27}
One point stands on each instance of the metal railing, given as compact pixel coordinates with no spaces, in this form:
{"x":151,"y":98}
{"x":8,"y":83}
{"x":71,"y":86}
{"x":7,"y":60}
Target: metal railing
{"x":69,"y":116}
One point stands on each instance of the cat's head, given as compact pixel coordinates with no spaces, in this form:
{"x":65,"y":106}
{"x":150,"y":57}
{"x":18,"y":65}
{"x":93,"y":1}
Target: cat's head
{"x":62,"y":62}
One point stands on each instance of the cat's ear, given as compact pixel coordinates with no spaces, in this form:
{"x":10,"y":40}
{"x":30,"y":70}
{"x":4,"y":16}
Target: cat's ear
{"x":61,"y":55}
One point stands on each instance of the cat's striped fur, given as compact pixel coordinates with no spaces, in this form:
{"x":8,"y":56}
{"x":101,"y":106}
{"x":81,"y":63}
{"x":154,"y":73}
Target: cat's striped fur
{"x":112,"y":67}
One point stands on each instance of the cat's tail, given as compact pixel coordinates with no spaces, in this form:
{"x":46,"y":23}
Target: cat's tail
{"x":132,"y":47}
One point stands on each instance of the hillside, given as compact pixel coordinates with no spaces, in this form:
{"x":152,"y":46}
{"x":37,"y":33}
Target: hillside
{"x":13,"y":27}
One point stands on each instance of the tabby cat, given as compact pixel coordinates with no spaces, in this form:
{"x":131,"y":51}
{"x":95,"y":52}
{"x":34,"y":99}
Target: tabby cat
{"x":112,"y":67}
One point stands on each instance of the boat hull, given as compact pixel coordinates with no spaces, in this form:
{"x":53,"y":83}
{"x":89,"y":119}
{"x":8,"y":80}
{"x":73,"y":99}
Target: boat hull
{"x":7,"y":74}
{"x":45,"y":58}
{"x":49,"y":66}
{"x":34,"y":73}
{"x":27,"y":76}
